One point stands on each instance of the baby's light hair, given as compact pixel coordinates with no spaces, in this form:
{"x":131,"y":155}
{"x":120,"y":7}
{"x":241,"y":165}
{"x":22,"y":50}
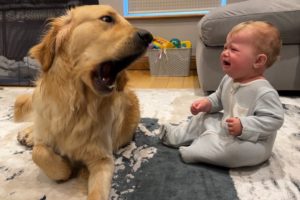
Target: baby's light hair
{"x":267,"y":36}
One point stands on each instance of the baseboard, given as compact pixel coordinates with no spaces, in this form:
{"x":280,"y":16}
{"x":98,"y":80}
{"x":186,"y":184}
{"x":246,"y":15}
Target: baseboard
{"x":143,"y":64}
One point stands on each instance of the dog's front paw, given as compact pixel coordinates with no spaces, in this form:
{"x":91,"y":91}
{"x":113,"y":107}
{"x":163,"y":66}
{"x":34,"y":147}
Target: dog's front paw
{"x":25,"y":137}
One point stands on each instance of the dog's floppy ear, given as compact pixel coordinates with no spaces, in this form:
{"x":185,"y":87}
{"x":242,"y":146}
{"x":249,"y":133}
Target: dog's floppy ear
{"x":52,"y":41}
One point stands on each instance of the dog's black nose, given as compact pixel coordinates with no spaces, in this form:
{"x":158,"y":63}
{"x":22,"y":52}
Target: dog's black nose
{"x":145,"y":36}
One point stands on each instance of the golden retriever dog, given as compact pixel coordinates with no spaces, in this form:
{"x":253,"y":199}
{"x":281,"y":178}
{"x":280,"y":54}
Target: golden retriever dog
{"x":82,"y":110}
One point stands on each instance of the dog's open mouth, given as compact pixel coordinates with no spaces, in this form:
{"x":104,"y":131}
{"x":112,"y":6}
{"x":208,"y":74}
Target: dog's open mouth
{"x":105,"y":75}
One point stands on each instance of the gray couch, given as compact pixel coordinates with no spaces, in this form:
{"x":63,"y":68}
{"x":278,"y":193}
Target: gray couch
{"x":284,"y":75}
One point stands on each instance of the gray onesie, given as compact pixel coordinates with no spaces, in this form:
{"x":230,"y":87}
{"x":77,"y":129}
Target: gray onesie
{"x":260,"y":111}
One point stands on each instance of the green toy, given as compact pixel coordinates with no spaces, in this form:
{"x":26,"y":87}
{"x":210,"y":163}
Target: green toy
{"x":176,"y":42}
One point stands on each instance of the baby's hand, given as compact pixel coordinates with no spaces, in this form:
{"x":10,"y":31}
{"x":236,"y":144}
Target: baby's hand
{"x":234,"y":126}
{"x":202,"y":105}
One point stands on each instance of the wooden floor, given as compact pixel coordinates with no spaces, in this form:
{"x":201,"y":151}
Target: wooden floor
{"x":143,"y":79}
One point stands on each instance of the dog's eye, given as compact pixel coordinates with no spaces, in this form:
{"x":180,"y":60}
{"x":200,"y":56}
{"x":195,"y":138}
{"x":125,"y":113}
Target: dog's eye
{"x":107,"y":19}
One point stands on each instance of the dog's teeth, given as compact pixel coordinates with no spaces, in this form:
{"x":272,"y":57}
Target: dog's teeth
{"x":111,"y":86}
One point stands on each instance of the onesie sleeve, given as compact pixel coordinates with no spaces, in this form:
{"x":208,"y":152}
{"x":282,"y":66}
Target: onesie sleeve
{"x":215,"y":98}
{"x":267,"y":118}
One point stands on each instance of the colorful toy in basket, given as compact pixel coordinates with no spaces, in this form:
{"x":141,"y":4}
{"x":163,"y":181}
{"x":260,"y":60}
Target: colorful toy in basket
{"x":186,"y":44}
{"x":161,"y":43}
{"x":176,"y":42}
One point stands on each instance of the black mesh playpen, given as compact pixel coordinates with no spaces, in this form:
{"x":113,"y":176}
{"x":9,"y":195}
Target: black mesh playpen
{"x":22,"y":23}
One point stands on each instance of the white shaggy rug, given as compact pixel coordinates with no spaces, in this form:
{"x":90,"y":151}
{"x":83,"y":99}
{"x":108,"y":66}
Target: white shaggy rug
{"x":277,"y":179}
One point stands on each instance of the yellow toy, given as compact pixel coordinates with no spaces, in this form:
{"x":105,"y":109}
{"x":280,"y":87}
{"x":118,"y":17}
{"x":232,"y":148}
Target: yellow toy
{"x":161,"y":43}
{"x":186,"y":44}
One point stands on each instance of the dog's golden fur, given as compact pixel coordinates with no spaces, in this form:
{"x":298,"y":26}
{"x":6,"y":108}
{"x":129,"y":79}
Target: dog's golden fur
{"x":81,"y":109}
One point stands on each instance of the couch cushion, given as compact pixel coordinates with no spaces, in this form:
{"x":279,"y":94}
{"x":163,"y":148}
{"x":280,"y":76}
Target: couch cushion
{"x":284,"y":14}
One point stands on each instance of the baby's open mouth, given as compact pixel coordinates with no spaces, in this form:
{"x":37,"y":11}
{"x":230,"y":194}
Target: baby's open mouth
{"x":226,"y":63}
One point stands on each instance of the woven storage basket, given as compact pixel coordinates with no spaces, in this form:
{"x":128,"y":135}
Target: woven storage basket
{"x":170,"y":62}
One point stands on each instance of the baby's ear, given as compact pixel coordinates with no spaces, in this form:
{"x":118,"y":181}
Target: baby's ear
{"x":261,"y":61}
